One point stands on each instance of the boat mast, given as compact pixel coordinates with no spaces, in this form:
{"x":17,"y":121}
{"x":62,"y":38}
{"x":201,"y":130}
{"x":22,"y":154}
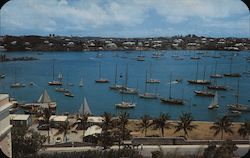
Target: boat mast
{"x":197,"y":67}
{"x":150,"y":71}
{"x":170,"y":85}
{"x":115,"y":73}
{"x":204,"y":74}
{"x":126,"y":76}
{"x":238,"y":93}
{"x":230,"y":69}
{"x":146,"y":82}
{"x":53,"y":70}
{"x":215,"y":71}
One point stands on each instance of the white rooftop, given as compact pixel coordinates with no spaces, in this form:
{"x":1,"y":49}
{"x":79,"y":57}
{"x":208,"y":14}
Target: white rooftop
{"x":3,"y":96}
{"x":92,"y":130}
{"x":58,"y":118}
{"x":95,"y":119}
{"x":19,"y":117}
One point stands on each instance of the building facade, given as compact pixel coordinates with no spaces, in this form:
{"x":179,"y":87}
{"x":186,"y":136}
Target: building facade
{"x":5,"y":127}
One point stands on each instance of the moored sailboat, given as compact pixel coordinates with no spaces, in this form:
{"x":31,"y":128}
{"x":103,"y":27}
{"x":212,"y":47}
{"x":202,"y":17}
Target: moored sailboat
{"x":116,"y":86}
{"x":100,"y":79}
{"x":125,"y":89}
{"x":230,"y":74}
{"x":196,"y":81}
{"x":16,"y":84}
{"x":237,"y":106}
{"x":55,"y":82}
{"x":146,"y":94}
{"x":152,"y":80}
{"x":215,"y":74}
{"x":170,"y":99}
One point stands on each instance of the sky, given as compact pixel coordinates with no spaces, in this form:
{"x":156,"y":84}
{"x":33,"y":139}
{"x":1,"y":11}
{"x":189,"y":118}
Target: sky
{"x":126,"y":18}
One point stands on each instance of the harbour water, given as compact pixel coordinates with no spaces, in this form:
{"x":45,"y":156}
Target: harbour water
{"x":74,"y":65}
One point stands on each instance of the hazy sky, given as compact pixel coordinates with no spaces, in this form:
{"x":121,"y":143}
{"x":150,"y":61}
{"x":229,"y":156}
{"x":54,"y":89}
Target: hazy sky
{"x":126,"y":18}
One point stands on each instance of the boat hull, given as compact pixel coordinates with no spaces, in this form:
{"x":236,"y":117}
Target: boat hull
{"x":172,"y":101}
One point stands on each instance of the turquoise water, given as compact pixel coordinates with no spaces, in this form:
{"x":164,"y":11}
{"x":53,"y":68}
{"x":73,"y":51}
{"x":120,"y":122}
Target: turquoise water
{"x":74,"y":65}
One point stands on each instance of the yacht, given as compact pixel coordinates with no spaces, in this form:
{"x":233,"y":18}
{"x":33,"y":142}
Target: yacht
{"x":125,"y":105}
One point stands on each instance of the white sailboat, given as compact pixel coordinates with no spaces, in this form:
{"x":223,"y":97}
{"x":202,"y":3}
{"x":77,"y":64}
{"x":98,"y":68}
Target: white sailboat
{"x":125,"y":89}
{"x":116,"y":86}
{"x":214,"y":102}
{"x":84,"y":109}
{"x":16,"y":84}
{"x":152,"y":80}
{"x":81,"y":82}
{"x":55,"y":82}
{"x":100,"y":79}
{"x":146,"y":94}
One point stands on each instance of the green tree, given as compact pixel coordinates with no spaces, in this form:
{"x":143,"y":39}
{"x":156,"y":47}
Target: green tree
{"x":106,"y":138}
{"x":123,"y":121}
{"x":26,"y":142}
{"x":162,"y":123}
{"x":145,"y":123}
{"x":82,"y":123}
{"x":222,"y":125}
{"x":107,"y":123}
{"x":244,"y":129}
{"x":46,"y":116}
{"x":184,"y":124}
{"x":64,"y":128}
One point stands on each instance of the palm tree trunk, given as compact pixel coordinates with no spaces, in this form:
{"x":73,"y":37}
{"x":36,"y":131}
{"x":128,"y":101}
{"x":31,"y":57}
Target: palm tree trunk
{"x":222,"y":135}
{"x":145,"y":132}
{"x":162,"y":132}
{"x":48,"y":136}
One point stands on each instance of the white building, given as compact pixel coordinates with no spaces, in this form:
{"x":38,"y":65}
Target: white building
{"x":5,"y":127}
{"x":20,"y":120}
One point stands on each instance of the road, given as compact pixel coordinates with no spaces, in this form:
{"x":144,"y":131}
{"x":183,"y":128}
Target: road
{"x":146,"y":150}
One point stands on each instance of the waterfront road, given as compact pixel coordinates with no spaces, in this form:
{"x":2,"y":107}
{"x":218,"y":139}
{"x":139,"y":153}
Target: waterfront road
{"x":146,"y":150}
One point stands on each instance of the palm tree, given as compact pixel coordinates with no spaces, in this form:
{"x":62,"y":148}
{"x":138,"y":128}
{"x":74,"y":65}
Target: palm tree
{"x":107,"y":123}
{"x":222,"y":125}
{"x":64,"y":128}
{"x":46,"y":116}
{"x":162,"y":123}
{"x":82,"y":123}
{"x":184,"y":124}
{"x":123,"y":121}
{"x":145,"y":123}
{"x":244,"y":129}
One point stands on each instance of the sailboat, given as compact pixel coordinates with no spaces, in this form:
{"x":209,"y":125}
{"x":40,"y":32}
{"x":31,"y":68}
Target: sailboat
{"x":116,"y":86}
{"x":84,"y":109}
{"x":151,"y":80}
{"x":101,"y":80}
{"x":196,"y":81}
{"x":16,"y":84}
{"x":43,"y":102}
{"x":125,"y":104}
{"x":237,"y":106}
{"x":230,"y":74}
{"x":214,"y":102}
{"x":204,"y":93}
{"x":171,"y":100}
{"x":81,"y":83}
{"x":147,"y":95}
{"x":215,"y":86}
{"x":216,"y":75}
{"x":125,"y":89}
{"x":2,"y":76}
{"x":55,"y":82}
